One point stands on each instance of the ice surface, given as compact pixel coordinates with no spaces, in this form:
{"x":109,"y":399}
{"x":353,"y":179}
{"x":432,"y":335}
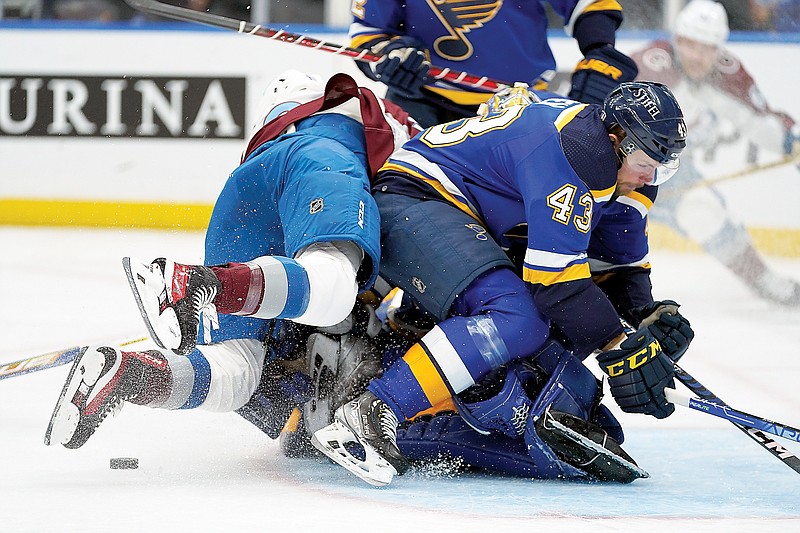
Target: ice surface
{"x":215,"y":472}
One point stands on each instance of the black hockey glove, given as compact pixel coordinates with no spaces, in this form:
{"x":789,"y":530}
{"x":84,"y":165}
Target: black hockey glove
{"x":668,"y":326}
{"x":599,"y":73}
{"x":404,"y":66}
{"x":638,"y":373}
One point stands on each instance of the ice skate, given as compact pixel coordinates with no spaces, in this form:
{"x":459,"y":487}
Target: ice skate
{"x":171,"y":297}
{"x":367,"y":421}
{"x":587,"y":446}
{"x":97,"y":385}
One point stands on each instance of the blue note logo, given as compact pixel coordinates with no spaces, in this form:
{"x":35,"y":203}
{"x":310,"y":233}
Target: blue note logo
{"x":459,"y":17}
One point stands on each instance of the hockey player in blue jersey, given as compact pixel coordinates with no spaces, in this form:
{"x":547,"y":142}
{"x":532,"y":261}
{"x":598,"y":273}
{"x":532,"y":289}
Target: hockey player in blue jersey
{"x":568,"y":183}
{"x":293,"y":235}
{"x":501,"y":40}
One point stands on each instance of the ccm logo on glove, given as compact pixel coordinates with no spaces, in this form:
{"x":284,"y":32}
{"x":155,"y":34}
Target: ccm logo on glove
{"x":634,"y":360}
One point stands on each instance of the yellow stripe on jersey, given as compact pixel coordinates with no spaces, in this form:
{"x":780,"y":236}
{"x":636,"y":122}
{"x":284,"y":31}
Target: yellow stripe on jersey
{"x":359,"y":40}
{"x":603,"y":195}
{"x":426,"y":374}
{"x":641,"y":198}
{"x":542,"y":277}
{"x":436,"y":185}
{"x":567,"y":115}
{"x":603,"y":5}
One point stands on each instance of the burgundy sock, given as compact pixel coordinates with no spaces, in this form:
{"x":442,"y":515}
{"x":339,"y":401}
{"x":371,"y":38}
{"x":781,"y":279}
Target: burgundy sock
{"x":241,"y":286}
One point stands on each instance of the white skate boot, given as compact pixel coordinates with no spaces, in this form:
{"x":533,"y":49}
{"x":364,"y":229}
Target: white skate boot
{"x":171,"y":297}
{"x":367,"y":421}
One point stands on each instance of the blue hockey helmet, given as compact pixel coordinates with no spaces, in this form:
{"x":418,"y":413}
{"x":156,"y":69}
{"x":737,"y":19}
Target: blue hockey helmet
{"x":652,"y":121}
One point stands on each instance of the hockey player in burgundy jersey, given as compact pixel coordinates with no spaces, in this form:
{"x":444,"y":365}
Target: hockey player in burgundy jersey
{"x":724,"y":108}
{"x":569,"y":183}
{"x":294,"y":235}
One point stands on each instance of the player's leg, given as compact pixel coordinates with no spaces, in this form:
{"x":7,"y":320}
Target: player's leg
{"x":220,"y":377}
{"x":291,"y":247}
{"x":538,"y":419}
{"x":700,"y":214}
{"x":435,"y":253}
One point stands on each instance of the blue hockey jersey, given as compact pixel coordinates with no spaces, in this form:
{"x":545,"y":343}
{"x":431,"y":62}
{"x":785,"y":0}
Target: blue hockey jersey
{"x":543,"y":174}
{"x":472,"y":35}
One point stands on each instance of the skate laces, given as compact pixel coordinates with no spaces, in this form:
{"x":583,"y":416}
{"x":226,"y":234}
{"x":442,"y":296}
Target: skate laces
{"x":388,"y":422}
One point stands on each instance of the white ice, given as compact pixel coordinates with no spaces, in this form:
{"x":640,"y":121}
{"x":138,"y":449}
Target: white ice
{"x":216,"y":472}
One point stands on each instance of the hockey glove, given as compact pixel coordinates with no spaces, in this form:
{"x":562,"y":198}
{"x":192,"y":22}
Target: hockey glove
{"x":638,"y":373}
{"x":403,"y":68}
{"x":599,"y":73}
{"x":670,"y":328}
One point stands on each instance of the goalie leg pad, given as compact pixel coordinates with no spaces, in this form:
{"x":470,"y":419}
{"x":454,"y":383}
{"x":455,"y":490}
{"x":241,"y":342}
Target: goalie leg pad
{"x":446,"y":439}
{"x":588,"y":447}
{"x":573,"y":389}
{"x":505,"y":412}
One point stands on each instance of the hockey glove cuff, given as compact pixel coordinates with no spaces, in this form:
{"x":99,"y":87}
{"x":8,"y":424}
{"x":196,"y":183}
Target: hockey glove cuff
{"x":637,"y":375}
{"x":599,"y":73}
{"x":404,"y":66}
{"x":670,"y":328}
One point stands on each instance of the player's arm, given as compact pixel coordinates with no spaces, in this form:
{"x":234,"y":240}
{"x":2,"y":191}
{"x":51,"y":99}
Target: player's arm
{"x":556,"y":266}
{"x":764,"y":126}
{"x":378,"y":28}
{"x":563,"y":290}
{"x":603,"y":67}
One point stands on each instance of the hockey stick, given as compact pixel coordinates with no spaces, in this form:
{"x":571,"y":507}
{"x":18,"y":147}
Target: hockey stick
{"x":730,"y":414}
{"x":701,"y":391}
{"x":763,"y":440}
{"x":184,"y":14}
{"x":790,"y":159}
{"x":49,"y":360}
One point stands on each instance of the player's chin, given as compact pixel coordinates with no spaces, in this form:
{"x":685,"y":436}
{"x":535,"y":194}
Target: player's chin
{"x":622,"y":190}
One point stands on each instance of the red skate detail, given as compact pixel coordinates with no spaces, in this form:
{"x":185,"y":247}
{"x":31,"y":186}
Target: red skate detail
{"x":156,"y":361}
{"x":180,"y":278}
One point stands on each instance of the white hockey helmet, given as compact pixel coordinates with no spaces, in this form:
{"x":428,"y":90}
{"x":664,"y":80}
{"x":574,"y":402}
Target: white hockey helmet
{"x":286,"y":91}
{"x":704,"y":21}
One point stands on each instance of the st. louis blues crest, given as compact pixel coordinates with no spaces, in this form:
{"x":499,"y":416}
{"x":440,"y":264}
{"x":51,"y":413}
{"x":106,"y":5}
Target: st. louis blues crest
{"x":459,"y":17}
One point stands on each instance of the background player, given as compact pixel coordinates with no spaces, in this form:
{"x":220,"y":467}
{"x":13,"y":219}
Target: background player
{"x":727,"y":116}
{"x":571,"y":183}
{"x":294,"y":233}
{"x":501,"y":40}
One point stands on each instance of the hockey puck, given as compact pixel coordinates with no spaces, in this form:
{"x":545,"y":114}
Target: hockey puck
{"x":124,"y":463}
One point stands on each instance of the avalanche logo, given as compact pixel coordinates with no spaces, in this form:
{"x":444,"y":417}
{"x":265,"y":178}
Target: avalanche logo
{"x":459,"y":17}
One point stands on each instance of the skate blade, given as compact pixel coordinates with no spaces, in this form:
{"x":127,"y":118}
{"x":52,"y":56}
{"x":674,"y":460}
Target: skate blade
{"x":633,"y":470}
{"x":163,"y":327}
{"x":331,"y":441}
{"x":64,"y":420}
